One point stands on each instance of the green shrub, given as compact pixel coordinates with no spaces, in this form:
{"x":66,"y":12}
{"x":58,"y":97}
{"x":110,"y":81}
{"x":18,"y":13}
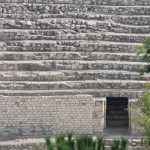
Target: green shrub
{"x":144,"y":50}
{"x":48,"y":143}
{"x":63,"y":145}
{"x":143,"y":119}
{"x":115,"y":145}
{"x":60,"y":138}
{"x":123,"y":144}
{"x":119,"y":144}
{"x":85,"y":142}
{"x":70,"y":141}
{"x":100,"y":143}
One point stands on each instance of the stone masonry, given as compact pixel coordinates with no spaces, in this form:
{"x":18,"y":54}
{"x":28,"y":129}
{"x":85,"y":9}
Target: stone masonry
{"x":50,"y":49}
{"x":51,"y":115}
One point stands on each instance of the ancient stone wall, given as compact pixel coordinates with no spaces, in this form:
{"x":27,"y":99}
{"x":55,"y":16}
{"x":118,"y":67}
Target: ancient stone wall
{"x":61,"y":47}
{"x":24,"y":116}
{"x":68,"y":47}
{"x":26,"y":144}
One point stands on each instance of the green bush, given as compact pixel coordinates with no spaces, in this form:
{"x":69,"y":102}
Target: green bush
{"x":48,"y":143}
{"x":85,"y":142}
{"x":115,"y":145}
{"x":60,"y":138}
{"x":123,"y":144}
{"x":119,"y":144}
{"x":70,"y":141}
{"x":100,"y":143}
{"x":144,"y":50}
{"x":143,"y":119}
{"x":63,"y":144}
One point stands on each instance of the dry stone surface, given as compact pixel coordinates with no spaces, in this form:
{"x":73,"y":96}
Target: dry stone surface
{"x":68,"y":47}
{"x":49,"y":115}
{"x":61,"y":46}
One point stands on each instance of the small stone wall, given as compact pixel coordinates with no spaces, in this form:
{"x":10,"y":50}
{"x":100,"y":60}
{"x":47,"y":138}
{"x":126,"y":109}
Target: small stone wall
{"x":27,"y":144}
{"x":30,"y":116}
{"x":134,"y":110}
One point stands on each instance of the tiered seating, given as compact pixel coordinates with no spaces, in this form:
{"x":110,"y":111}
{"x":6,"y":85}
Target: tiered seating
{"x":64,"y":47}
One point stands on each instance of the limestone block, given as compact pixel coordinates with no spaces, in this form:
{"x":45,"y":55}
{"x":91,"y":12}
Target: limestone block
{"x":98,"y":129}
{"x":98,"y":114}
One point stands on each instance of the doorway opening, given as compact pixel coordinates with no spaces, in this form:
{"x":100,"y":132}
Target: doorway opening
{"x":117,"y":118}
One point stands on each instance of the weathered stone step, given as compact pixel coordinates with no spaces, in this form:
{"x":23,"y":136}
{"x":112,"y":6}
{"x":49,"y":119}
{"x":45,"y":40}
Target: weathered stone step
{"x":75,"y":15}
{"x":116,"y":106}
{"x":51,"y":65}
{"x":12,"y":34}
{"x":124,"y":37}
{"x":70,"y":75}
{"x":80,"y":25}
{"x":85,"y":46}
{"x":100,"y":2}
{"x":131,"y":20}
{"x":123,"y":28}
{"x":3,"y":46}
{"x":117,"y":122}
{"x":117,"y":112}
{"x":11,"y":20}
{"x":96,"y":93}
{"x":73,"y":26}
{"x":61,"y":85}
{"x":117,"y":117}
{"x":27,"y":8}
{"x":68,"y":56}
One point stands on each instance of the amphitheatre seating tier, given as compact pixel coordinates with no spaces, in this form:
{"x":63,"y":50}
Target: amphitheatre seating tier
{"x":61,"y":47}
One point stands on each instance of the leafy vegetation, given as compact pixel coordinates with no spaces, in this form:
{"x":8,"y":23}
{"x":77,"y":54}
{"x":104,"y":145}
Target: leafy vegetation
{"x":123,"y":144}
{"x":100,"y":144}
{"x":143,"y":119}
{"x":48,"y":143}
{"x":84,"y":142}
{"x":115,"y":145}
{"x":144,"y":50}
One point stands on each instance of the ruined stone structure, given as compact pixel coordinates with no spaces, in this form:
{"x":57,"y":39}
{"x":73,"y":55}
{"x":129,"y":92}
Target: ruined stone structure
{"x":62,"y":60}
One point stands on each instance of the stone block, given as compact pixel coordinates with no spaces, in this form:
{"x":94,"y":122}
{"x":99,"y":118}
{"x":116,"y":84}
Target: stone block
{"x":98,"y":129}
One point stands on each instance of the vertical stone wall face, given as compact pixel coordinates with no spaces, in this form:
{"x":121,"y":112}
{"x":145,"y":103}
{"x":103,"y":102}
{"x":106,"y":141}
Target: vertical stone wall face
{"x":98,"y":117}
{"x":134,"y":110}
{"x":68,"y":47}
{"x":21,"y":116}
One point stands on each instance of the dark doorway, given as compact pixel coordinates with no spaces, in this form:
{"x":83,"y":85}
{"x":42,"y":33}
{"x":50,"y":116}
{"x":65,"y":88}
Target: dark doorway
{"x":116,"y":113}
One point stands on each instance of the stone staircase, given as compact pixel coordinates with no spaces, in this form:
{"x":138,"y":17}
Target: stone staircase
{"x":61,"y":47}
{"x":116,"y":115}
